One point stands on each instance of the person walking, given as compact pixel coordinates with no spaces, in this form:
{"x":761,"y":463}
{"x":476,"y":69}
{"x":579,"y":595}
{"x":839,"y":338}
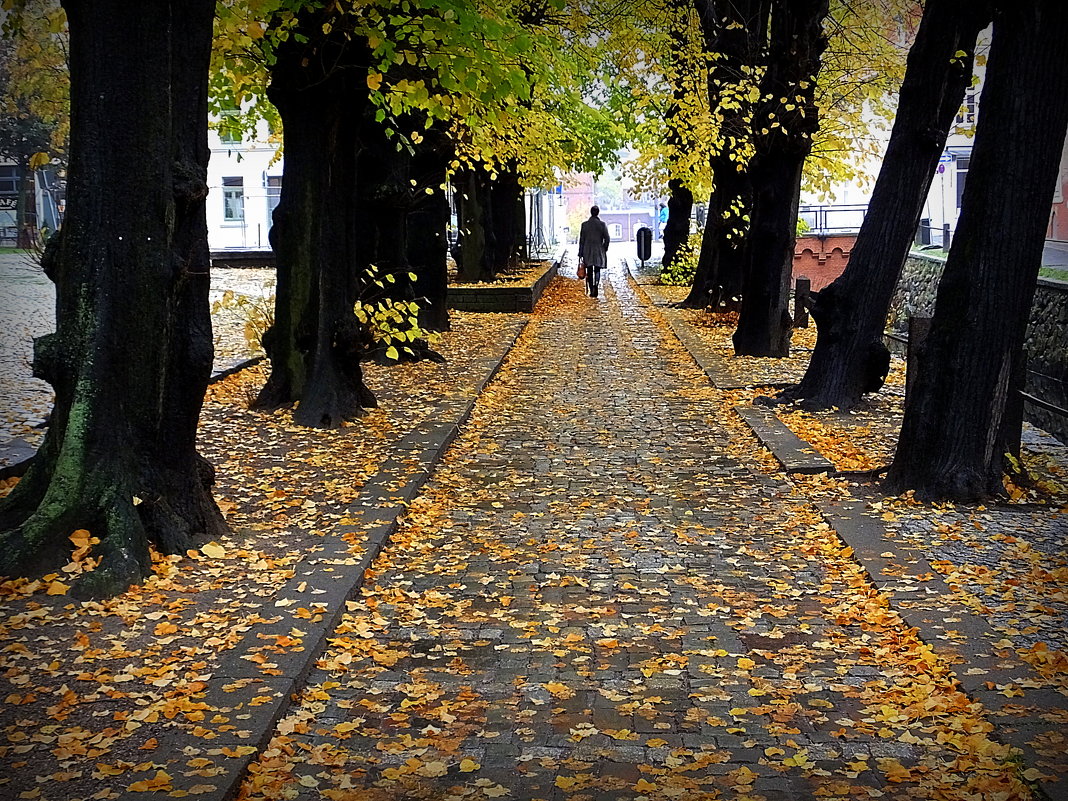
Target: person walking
{"x":593,"y":249}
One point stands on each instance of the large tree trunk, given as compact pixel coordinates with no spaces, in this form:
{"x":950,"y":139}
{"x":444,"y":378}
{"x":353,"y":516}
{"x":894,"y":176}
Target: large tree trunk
{"x":316,"y":343}
{"x":789,"y":114}
{"x":720,"y":270}
{"x":507,"y":219}
{"x":680,"y":197}
{"x":850,"y":357}
{"x":474,"y":212}
{"x":428,"y":222}
{"x":736,"y":32}
{"x":953,"y":438}
{"x":402,"y":228}
{"x":132,"y":352}
{"x":677,"y":227}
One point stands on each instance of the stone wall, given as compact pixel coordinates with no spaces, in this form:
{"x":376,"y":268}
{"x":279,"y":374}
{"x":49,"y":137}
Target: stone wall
{"x":916,"y":290}
{"x":1046,"y":343}
{"x":1047,"y":355}
{"x":504,"y":298}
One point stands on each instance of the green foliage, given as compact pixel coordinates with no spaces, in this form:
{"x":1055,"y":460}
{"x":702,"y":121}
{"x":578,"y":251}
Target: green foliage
{"x":393,"y":323}
{"x":34,"y":81}
{"x":695,"y":104}
{"x":505,"y":79}
{"x":683,"y":267}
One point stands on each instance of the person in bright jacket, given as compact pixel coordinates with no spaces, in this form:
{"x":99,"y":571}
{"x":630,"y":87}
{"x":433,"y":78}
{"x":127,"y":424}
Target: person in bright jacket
{"x":593,"y":249}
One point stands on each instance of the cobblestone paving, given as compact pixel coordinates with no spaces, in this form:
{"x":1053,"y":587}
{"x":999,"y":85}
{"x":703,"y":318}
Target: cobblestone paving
{"x":27,"y":310}
{"x":595,"y":600}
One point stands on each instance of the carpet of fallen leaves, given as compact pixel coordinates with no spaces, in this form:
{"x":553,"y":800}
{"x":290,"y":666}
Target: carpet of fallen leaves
{"x":523,"y":273}
{"x":604,"y":606}
{"x":89,"y":690}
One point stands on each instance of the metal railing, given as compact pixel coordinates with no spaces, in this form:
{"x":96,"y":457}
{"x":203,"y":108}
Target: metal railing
{"x":833,"y":218}
{"x":928,"y":235}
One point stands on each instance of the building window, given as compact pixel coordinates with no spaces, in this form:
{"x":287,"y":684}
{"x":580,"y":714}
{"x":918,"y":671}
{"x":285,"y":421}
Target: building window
{"x":615,"y":230}
{"x":9,"y":180}
{"x":229,"y":130}
{"x":274,"y":193}
{"x":966,"y":115}
{"x":234,"y":199}
{"x":962,"y":175}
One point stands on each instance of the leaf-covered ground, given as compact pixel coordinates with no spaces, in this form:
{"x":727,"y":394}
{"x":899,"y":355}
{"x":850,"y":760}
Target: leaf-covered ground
{"x":605,"y":593}
{"x":90,"y":690}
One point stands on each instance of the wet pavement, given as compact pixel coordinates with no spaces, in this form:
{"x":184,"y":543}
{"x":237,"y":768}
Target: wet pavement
{"x":603,"y":593}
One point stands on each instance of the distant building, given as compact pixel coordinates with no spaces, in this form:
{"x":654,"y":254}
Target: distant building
{"x":45,"y":211}
{"x":623,"y":224}
{"x":244,"y":182}
{"x":1058,"y":219}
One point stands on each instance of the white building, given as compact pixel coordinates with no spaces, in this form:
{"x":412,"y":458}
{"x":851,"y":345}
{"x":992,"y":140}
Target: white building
{"x":244,"y":182}
{"x":947,"y":187}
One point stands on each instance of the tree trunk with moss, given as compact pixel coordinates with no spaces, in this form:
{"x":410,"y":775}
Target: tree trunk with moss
{"x":955,"y":433}
{"x":850,"y":357}
{"x":316,"y":343}
{"x":786,"y":120}
{"x":132,"y":352}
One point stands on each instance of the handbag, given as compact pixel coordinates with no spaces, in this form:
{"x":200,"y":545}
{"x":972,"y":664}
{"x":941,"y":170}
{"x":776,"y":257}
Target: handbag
{"x":581,"y":270}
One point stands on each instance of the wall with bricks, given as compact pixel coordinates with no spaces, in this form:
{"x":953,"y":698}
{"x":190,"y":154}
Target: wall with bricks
{"x":821,"y":259}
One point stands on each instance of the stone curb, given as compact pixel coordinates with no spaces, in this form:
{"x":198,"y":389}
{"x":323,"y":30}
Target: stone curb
{"x":867,"y":539}
{"x":707,"y":359}
{"x":883,"y":560}
{"x":793,"y":453}
{"x":255,"y":683}
{"x":514,"y":298}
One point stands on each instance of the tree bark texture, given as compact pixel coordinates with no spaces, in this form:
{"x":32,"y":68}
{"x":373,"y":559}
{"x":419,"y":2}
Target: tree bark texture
{"x":735,"y":34}
{"x":428,"y":241}
{"x":720,"y":268}
{"x":316,"y":343}
{"x":476,"y":240}
{"x":850,"y":357}
{"x":953,"y":438}
{"x":677,"y":227}
{"x":789,"y":114}
{"x":680,"y":197}
{"x":402,"y":228}
{"x":508,"y":219}
{"x":132,"y":352}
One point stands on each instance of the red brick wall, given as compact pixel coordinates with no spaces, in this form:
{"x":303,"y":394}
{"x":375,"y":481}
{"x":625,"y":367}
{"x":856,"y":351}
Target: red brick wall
{"x":1058,"y":221}
{"x":821,"y":259}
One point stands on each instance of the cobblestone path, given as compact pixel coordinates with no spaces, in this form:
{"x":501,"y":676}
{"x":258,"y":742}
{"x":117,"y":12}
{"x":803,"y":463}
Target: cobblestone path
{"x":596,"y":598}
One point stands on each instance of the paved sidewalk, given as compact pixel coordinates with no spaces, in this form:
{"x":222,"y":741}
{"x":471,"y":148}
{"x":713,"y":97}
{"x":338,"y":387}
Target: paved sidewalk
{"x":596,"y":598}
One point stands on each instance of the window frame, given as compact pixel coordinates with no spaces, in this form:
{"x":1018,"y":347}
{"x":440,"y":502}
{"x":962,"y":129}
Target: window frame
{"x":233,"y":199}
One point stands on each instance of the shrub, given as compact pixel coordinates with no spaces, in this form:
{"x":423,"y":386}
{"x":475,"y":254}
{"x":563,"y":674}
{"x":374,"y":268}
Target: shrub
{"x":683,"y":267}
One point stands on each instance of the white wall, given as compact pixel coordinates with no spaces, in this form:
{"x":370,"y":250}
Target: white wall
{"x":252,"y":163}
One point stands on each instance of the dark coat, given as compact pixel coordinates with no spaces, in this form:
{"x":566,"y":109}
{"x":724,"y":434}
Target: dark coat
{"x":593,"y":242}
